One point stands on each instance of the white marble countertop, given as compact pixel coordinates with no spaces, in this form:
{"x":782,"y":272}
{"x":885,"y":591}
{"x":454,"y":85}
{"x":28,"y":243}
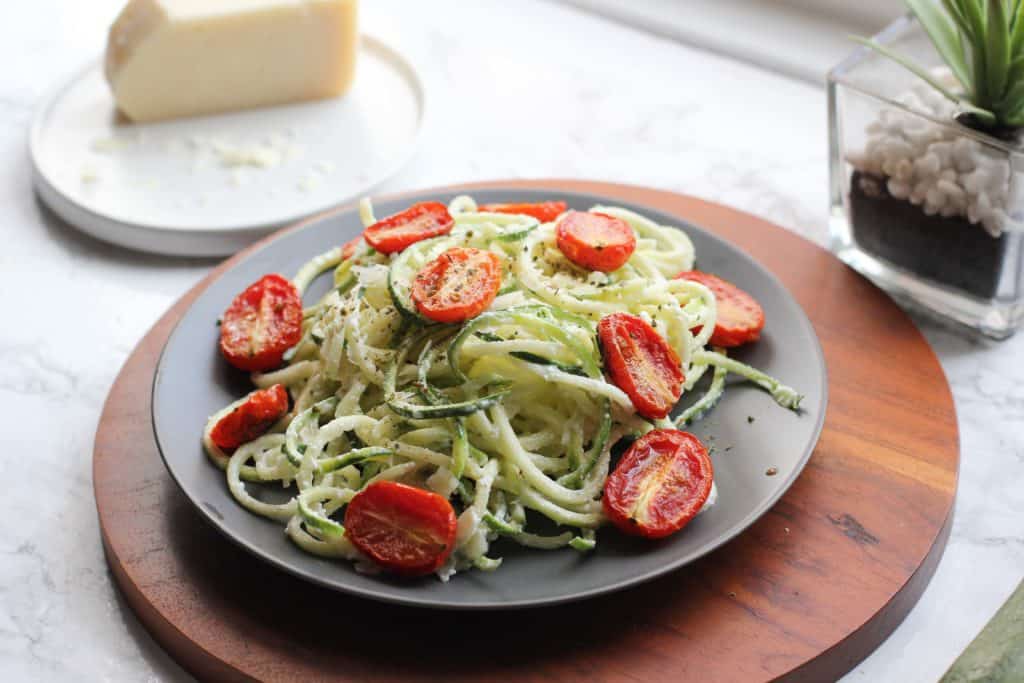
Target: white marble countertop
{"x":524,"y":89}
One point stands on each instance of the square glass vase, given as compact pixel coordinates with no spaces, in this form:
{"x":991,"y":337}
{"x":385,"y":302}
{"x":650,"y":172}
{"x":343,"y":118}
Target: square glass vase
{"x":930,"y":210}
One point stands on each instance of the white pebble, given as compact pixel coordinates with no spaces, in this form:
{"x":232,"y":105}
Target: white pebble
{"x":910,"y":100}
{"x":898,"y":149}
{"x":974,"y":181}
{"x":928,"y":165}
{"x":950,"y":188}
{"x":972,"y":212}
{"x":917,"y":193}
{"x":904,"y":170}
{"x":898,"y":189}
{"x":943,"y":150}
{"x":922,"y":137}
{"x":963,"y":155}
{"x":979,"y":209}
{"x":935,"y":198}
{"x":930,"y":97}
{"x":1000,"y":171}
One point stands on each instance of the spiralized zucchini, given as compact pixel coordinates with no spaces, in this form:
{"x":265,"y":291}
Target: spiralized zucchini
{"x":508,"y":415}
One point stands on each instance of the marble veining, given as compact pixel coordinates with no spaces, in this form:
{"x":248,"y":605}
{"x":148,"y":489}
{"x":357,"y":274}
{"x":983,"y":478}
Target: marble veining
{"x":553,"y":92}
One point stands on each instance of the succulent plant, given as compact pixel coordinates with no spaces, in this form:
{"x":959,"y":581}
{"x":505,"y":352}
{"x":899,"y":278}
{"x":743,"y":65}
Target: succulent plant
{"x":982,"y":42}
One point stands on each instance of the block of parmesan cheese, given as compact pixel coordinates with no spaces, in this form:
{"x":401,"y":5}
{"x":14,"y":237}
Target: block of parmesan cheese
{"x":173,"y":58}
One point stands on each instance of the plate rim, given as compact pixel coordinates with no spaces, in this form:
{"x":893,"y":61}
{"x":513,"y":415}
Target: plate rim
{"x":168,"y":239}
{"x":412,"y":601}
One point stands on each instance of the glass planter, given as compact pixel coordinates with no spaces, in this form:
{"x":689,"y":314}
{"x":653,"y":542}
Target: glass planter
{"x":928,"y":209}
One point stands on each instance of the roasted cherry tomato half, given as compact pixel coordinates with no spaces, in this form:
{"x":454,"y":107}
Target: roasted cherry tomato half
{"x":458,"y":285}
{"x":640,"y":362}
{"x":595,"y":241}
{"x":740,"y":317}
{"x":348,"y":250}
{"x":261,"y":324}
{"x":403,"y":529}
{"x":659,"y":485}
{"x":250,"y":419}
{"x":418,"y":222}
{"x":545,"y":212}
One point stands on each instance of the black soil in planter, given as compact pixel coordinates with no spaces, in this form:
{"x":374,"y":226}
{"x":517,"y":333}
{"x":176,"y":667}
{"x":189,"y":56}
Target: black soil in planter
{"x":948,"y":250}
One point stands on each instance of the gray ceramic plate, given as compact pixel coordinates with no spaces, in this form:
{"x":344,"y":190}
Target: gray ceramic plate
{"x":192,"y":381}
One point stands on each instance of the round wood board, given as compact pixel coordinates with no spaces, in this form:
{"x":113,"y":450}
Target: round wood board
{"x":803,"y":595}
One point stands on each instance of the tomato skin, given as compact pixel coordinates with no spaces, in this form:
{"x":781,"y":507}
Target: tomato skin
{"x":261,"y":324}
{"x":740,"y":317}
{"x":403,"y":529}
{"x":640,"y":362}
{"x":659,"y":485}
{"x":545,"y":212}
{"x":419,"y":222}
{"x":261,"y":409}
{"x":458,"y":285}
{"x":595,"y":241}
{"x":348,"y":250}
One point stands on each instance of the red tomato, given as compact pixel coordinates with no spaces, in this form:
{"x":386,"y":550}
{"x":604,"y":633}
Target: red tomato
{"x":418,"y":222}
{"x":595,"y":241}
{"x":458,"y":285}
{"x":740,"y":317}
{"x":660,"y":483}
{"x":261,"y":409}
{"x":402,"y":528}
{"x":349,"y":249}
{"x":641,"y":363}
{"x":545,"y":212}
{"x":261,"y":324}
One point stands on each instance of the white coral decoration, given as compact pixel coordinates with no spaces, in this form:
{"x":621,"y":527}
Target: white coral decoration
{"x":935,"y":167}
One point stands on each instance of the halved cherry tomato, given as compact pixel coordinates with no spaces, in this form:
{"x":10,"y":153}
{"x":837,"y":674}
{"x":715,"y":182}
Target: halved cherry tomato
{"x":740,"y":317}
{"x":641,"y":363}
{"x":545,"y":212}
{"x":402,"y":528}
{"x":349,"y":248}
{"x":659,"y":485}
{"x":458,"y":285}
{"x":595,"y":241}
{"x":418,"y":222}
{"x":261,"y":324}
{"x":261,"y":409}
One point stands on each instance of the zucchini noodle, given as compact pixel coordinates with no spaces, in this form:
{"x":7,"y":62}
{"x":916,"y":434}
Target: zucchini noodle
{"x":509,"y":415}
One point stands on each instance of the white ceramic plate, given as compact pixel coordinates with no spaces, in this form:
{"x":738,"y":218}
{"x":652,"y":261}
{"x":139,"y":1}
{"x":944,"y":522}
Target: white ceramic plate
{"x":208,"y":186}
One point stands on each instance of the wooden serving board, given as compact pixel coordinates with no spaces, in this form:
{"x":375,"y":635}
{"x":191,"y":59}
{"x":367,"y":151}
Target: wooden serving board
{"x":803,"y":595}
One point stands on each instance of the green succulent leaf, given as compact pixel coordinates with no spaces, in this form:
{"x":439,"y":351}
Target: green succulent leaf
{"x":944,"y":34}
{"x":1017,"y":30}
{"x":1016,"y":71}
{"x":1014,"y":95}
{"x":984,"y":116}
{"x":982,"y":42}
{"x":976,"y":22}
{"x":907,"y":64}
{"x":997,"y":57}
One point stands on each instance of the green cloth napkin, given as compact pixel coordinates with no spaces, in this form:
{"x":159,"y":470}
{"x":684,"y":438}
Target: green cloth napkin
{"x":997,"y":654}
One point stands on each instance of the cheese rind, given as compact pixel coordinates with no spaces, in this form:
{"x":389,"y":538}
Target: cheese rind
{"x":174,"y":58}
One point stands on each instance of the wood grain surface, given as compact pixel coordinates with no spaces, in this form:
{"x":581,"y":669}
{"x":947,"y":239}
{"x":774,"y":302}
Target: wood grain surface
{"x":803,"y":595}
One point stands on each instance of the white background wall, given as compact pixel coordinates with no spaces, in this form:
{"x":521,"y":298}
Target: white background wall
{"x":798,"y":38}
